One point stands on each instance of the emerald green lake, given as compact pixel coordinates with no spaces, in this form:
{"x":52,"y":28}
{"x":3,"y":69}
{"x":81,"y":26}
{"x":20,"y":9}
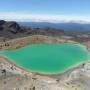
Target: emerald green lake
{"x":48,"y":58}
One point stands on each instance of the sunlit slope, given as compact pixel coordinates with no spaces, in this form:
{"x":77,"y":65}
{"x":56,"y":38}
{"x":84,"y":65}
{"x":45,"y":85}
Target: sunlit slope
{"x":48,"y":58}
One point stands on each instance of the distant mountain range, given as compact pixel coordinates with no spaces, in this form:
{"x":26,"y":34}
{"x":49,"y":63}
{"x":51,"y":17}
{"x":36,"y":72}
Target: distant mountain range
{"x":67,"y":26}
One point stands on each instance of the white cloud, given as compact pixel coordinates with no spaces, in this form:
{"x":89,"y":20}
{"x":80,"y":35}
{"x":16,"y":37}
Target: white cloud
{"x":36,"y":17}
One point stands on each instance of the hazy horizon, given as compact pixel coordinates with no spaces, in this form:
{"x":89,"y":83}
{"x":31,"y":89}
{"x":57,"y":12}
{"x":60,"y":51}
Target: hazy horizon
{"x":48,"y":10}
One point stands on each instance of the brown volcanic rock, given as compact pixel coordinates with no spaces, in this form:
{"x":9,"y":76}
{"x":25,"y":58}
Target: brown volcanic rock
{"x":45,"y":31}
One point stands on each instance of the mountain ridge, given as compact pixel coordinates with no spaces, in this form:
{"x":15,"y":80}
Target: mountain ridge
{"x":69,"y":26}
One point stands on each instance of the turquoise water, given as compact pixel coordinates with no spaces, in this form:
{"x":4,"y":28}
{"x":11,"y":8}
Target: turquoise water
{"x":48,"y":58}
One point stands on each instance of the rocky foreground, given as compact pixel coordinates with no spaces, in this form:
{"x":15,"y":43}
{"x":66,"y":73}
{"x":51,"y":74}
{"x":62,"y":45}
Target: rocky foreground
{"x":14,"y":78}
{"x":12,"y":36}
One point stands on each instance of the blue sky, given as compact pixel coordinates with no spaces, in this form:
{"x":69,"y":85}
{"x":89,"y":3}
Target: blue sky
{"x":43,"y":9}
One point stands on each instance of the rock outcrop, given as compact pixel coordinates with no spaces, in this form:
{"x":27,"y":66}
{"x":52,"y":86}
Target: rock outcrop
{"x":12,"y":27}
{"x":2,"y":22}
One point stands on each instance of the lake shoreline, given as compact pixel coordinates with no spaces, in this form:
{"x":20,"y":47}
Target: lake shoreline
{"x":28,"y":70}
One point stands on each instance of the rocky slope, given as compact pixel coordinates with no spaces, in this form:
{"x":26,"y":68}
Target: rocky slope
{"x":10,"y":30}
